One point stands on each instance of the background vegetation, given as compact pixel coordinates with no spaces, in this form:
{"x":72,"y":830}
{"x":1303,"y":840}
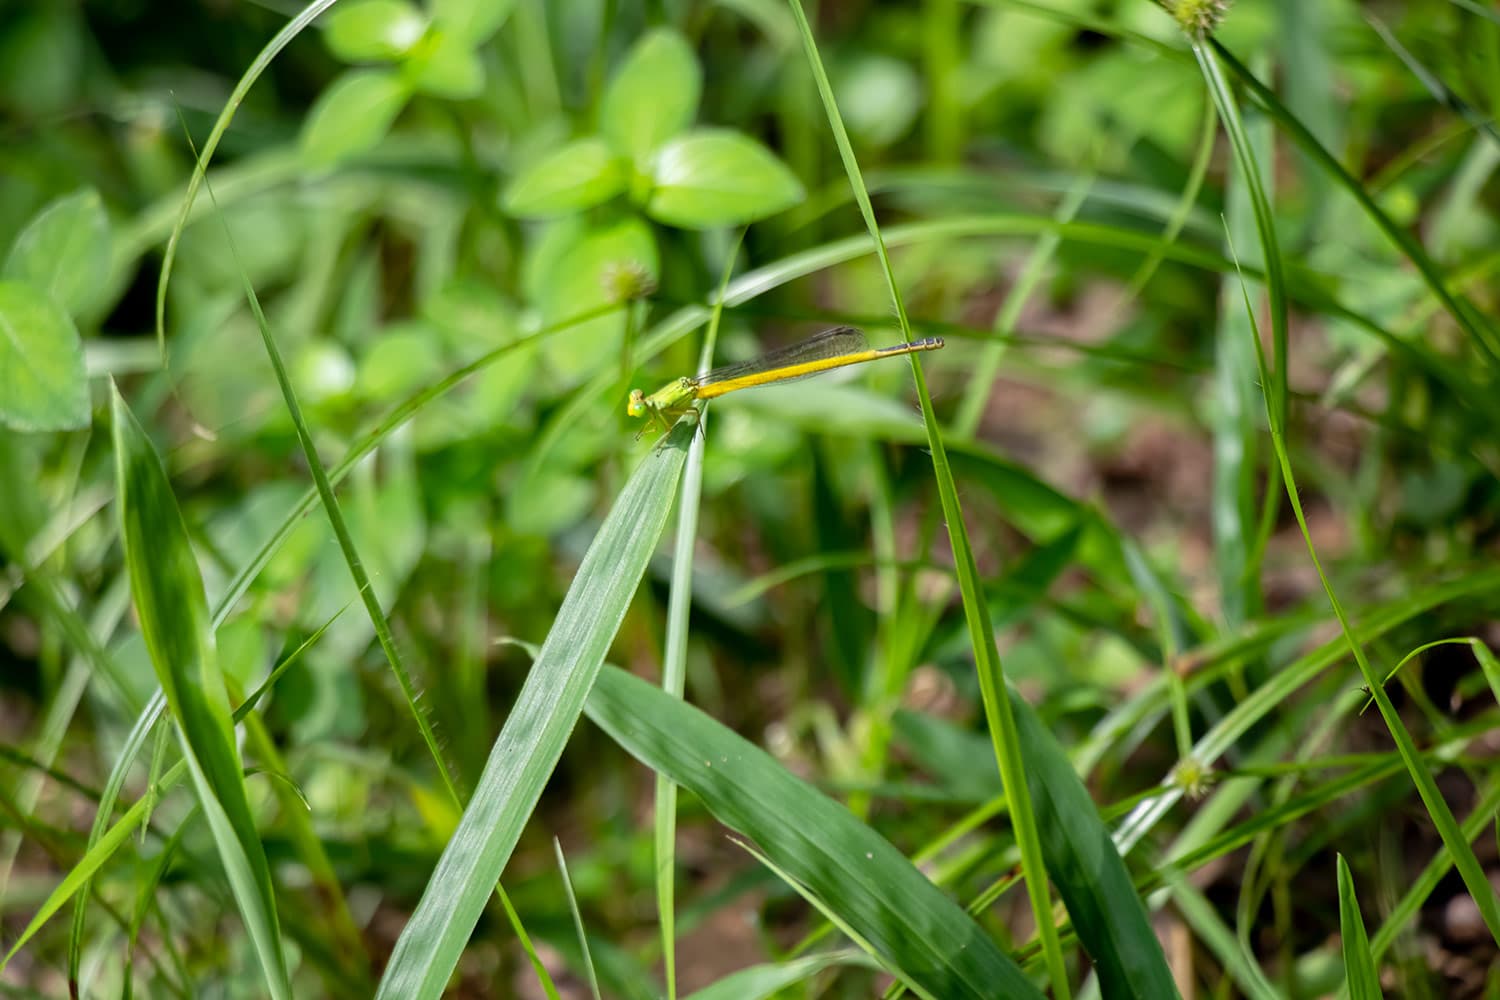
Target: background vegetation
{"x":1137,"y":642}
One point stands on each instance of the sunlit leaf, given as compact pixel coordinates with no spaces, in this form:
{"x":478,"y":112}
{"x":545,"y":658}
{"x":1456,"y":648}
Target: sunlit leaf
{"x":373,"y":30}
{"x":715,"y":177}
{"x":652,"y":96}
{"x":64,"y":251}
{"x":43,"y":386}
{"x":580,"y":175}
{"x":352,"y":115}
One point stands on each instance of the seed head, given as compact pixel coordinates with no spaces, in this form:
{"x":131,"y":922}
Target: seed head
{"x":1198,"y":17}
{"x":626,"y":281}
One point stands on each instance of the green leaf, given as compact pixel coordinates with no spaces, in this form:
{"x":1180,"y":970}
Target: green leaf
{"x":64,"y":251}
{"x":444,"y":64}
{"x":43,"y":386}
{"x":1088,"y":871}
{"x":1360,"y":973}
{"x":652,"y":96}
{"x":581,"y":174}
{"x":913,"y":927}
{"x":472,"y":21}
{"x":373,"y":30}
{"x":715,"y":177}
{"x":544,"y":715}
{"x":173,"y":611}
{"x":352,"y":115}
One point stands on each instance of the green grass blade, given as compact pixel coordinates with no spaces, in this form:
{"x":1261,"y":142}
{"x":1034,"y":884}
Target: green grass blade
{"x":1235,"y":485}
{"x":282,"y":39}
{"x":1410,"y":903}
{"x":1462,"y":312}
{"x":674,"y":658}
{"x":340,"y":527}
{"x":976,"y":613}
{"x":173,"y":612}
{"x":532,"y":739}
{"x":1360,"y":974}
{"x":1264,"y":701}
{"x":1090,"y":876}
{"x":95,"y":858}
{"x":105,"y":839}
{"x":1235,"y":426}
{"x":583,"y":937}
{"x":851,"y":869}
{"x":1468,"y":866}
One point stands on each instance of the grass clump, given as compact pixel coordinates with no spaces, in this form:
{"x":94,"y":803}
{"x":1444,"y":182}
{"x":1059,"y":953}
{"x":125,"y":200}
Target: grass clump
{"x":1038,"y":666}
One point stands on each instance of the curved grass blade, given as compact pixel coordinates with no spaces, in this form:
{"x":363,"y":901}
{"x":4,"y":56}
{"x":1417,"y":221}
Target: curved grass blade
{"x":283,"y":38}
{"x":173,"y":611}
{"x":981,"y":628}
{"x":1234,"y":483}
{"x":1090,"y":876}
{"x":1462,"y":312}
{"x":851,"y":869}
{"x":1472,"y":873}
{"x":340,"y":527}
{"x":1360,"y":974}
{"x":532,"y":739}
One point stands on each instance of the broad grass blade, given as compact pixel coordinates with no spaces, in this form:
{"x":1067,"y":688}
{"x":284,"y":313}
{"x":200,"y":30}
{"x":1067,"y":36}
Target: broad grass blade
{"x":532,"y":739}
{"x":173,"y":611}
{"x":856,"y":873}
{"x":1088,"y":872}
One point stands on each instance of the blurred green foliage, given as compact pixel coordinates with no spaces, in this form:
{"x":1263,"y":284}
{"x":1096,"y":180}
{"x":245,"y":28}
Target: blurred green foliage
{"x":474,"y":226}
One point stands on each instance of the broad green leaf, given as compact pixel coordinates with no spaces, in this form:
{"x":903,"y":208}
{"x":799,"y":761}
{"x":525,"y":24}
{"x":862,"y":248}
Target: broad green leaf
{"x":64,"y":251}
{"x":352,"y":115}
{"x":857,"y":874}
{"x":373,"y":30}
{"x":444,"y":64}
{"x":1088,"y":872}
{"x":652,"y":96}
{"x":173,"y":611}
{"x":1360,"y":973}
{"x":540,"y":722}
{"x":715,"y":177}
{"x":43,"y":386}
{"x":581,"y":174}
{"x":472,"y":21}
